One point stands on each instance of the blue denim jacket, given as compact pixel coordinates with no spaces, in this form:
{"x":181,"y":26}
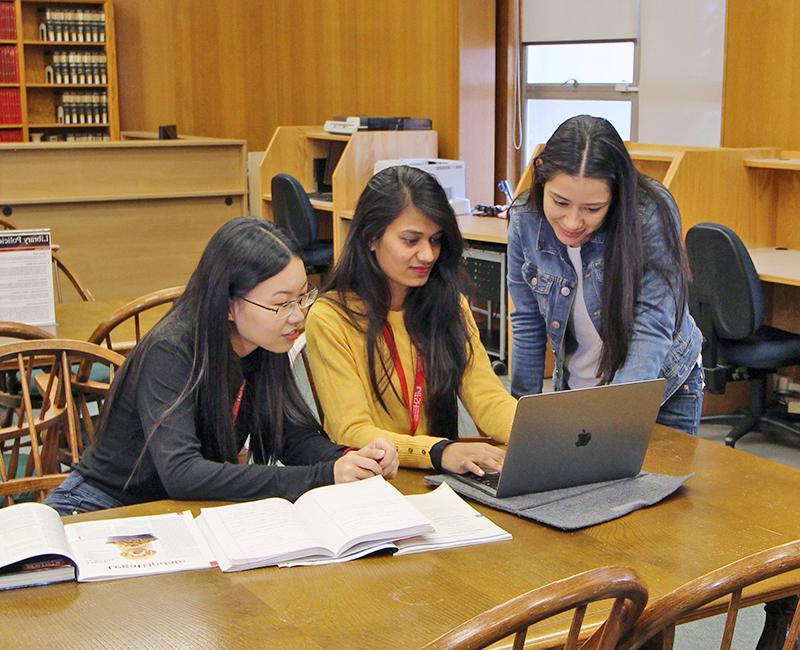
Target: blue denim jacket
{"x":542,"y":283}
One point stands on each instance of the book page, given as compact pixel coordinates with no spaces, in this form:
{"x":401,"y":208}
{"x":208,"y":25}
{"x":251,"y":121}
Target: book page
{"x":368,"y":510}
{"x":456,"y":523}
{"x":353,"y":553}
{"x":258,"y":533}
{"x":137,"y":546}
{"x":28,"y":530}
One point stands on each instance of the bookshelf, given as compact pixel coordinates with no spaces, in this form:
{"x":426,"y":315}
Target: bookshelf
{"x":294,"y":150}
{"x":58,"y":79}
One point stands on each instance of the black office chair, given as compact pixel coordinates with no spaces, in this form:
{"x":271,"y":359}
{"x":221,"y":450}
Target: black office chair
{"x":726,"y":301}
{"x":293,"y":212}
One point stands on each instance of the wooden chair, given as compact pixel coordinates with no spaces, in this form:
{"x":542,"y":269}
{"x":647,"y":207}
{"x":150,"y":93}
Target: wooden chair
{"x":12,"y":330}
{"x":49,"y":433}
{"x":575,"y":593}
{"x":59,"y":269}
{"x":132,"y":310}
{"x":656,"y":626}
{"x":92,"y":381}
{"x":10,"y":397}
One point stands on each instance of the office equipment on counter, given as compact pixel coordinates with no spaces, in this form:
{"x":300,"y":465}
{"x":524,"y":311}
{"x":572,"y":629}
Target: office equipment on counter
{"x":451,"y":174}
{"x":351,"y":124}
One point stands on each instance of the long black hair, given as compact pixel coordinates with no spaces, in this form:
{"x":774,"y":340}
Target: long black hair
{"x":432,"y":312}
{"x":241,"y":254}
{"x":590,"y":147}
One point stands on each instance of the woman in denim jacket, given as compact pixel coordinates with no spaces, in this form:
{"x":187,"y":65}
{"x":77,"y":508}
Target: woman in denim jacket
{"x":596,"y":264}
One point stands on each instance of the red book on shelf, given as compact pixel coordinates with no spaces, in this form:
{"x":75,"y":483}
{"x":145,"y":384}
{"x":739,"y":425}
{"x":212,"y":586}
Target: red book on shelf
{"x":8,"y":23}
{"x":9,"y":65}
{"x":10,"y":109}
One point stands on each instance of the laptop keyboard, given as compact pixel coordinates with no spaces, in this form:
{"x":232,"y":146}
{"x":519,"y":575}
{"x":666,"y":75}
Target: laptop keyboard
{"x":490,"y":479}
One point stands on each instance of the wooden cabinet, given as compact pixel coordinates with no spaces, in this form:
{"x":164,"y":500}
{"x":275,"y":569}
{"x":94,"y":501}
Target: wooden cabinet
{"x":130,"y":216}
{"x":349,"y":160}
{"x":65,"y":86}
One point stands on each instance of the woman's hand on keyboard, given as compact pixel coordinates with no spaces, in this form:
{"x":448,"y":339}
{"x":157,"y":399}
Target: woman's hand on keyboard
{"x":475,"y":457}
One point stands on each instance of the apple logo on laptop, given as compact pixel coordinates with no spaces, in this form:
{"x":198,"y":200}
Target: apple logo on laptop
{"x":583,"y":438}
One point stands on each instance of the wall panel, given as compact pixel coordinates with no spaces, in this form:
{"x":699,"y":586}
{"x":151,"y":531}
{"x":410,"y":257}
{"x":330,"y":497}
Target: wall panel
{"x":761,"y":93}
{"x":240,"y":68}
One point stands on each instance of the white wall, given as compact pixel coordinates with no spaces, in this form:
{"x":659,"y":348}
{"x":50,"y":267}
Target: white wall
{"x":680,"y":58}
{"x":680,"y":71}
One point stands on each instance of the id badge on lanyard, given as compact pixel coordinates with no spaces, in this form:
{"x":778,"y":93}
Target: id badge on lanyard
{"x":413,"y":402}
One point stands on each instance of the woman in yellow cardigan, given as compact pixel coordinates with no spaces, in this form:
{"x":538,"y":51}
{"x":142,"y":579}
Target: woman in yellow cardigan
{"x":392,"y":341}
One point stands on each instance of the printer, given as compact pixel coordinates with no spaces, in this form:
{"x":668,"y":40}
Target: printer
{"x":451,"y":174}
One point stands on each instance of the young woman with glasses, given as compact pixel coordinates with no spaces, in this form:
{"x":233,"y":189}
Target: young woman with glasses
{"x":211,"y":373}
{"x":393,"y":343}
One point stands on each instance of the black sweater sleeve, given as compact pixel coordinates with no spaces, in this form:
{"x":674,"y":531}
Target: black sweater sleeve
{"x":175,"y":450}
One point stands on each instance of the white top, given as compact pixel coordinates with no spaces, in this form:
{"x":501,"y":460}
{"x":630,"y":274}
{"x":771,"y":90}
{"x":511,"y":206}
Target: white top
{"x":583,"y":351}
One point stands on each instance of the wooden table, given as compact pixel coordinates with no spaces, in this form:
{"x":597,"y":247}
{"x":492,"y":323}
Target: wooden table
{"x":488,"y":229}
{"x":735,"y":504}
{"x":777,"y":265}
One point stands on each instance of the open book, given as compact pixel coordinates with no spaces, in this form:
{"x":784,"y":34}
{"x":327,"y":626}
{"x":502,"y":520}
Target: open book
{"x":455,"y":524}
{"x":341,"y":521}
{"x":37,"y":548}
{"x":334,"y":523}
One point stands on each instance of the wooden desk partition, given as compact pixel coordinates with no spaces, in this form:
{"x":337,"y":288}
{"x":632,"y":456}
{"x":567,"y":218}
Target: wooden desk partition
{"x":129,"y":216}
{"x":293,"y":150}
{"x":755,"y":191}
{"x":404,"y":602}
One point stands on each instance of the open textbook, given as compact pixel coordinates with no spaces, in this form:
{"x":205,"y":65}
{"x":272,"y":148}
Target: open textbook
{"x":37,"y":548}
{"x":334,"y":523}
{"x":455,"y":524}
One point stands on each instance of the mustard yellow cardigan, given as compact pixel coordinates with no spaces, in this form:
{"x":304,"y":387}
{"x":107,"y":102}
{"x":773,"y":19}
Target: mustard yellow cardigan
{"x":338,"y":358}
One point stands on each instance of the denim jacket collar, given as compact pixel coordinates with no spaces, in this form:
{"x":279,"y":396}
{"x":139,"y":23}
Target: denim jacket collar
{"x":547,"y":242}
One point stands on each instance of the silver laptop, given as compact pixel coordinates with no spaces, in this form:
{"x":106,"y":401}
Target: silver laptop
{"x":574,"y":437}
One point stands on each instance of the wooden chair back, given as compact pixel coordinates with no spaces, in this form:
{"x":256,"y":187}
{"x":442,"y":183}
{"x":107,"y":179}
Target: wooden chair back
{"x":621,"y":585}
{"x":10,"y":399}
{"x":132,"y":311}
{"x":12,"y":330}
{"x":49,"y":433}
{"x":656,"y":625}
{"x":61,"y":269}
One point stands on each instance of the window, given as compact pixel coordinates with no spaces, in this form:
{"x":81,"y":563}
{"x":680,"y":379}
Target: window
{"x":566,"y":79}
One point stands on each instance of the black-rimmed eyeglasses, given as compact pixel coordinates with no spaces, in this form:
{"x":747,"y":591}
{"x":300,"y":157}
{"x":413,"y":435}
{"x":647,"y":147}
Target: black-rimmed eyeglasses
{"x":282,"y":312}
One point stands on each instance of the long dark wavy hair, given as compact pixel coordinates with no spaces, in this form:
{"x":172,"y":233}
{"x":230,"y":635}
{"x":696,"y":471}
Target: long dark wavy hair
{"x":241,"y":254}
{"x":590,"y":147}
{"x":432,"y":312}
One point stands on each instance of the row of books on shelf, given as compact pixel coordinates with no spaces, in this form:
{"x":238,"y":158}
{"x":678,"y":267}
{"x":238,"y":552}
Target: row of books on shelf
{"x":326,"y":525}
{"x":9,"y":64}
{"x":82,"y":108}
{"x":73,"y":25}
{"x":71,"y":136}
{"x":10,"y":109}
{"x":8,"y":21}
{"x":77,"y":68}
{"x":10,"y":135}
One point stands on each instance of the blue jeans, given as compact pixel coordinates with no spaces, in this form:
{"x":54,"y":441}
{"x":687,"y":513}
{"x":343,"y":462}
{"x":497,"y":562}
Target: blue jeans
{"x":75,"y":495}
{"x":682,"y":410}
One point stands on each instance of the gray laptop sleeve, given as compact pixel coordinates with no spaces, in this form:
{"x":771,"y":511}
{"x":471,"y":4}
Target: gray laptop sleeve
{"x":577,"y":507}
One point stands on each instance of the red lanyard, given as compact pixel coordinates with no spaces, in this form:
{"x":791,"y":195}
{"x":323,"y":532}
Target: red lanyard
{"x":238,"y":401}
{"x":414,"y":405}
